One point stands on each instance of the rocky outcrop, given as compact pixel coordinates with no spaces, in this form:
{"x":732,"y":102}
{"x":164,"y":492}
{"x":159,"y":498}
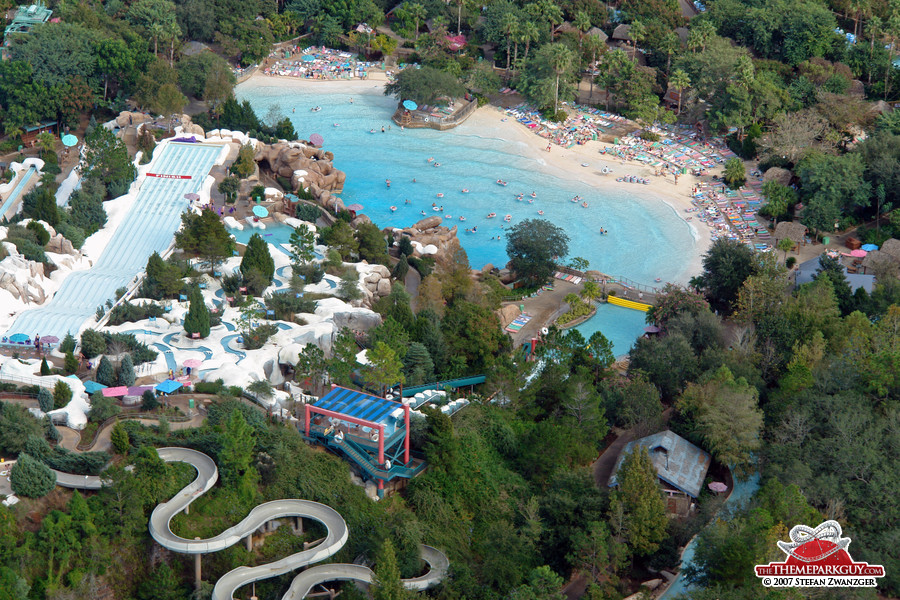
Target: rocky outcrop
{"x":430,"y":237}
{"x":307,"y":167}
{"x":60,"y":245}
{"x":358,"y":320}
{"x":127,"y":118}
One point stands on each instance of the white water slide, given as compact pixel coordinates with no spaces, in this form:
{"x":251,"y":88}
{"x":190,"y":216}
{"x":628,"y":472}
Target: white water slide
{"x":207,"y":474}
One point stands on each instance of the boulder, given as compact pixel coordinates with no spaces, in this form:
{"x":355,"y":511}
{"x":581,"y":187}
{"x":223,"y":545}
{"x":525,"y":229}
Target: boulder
{"x":652,"y":584}
{"x":357,"y":320}
{"x":59,"y":245}
{"x":428,"y":223}
{"x":381,"y":270}
{"x":384,"y":287}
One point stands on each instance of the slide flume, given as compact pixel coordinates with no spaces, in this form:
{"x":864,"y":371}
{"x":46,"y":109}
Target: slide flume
{"x":207,"y":475}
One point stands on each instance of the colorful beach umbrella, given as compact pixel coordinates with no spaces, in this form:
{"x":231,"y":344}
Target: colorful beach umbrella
{"x":316,"y":139}
{"x":193,"y":363}
{"x":869,"y":247}
{"x":355,"y":207}
{"x":260,"y":211}
{"x":308,"y":58}
{"x":410,"y":105}
{"x":50,"y":339}
{"x":69,"y":140}
{"x":858,"y":253}
{"x":19,"y":337}
{"x":718,"y":486}
{"x":192,"y":197}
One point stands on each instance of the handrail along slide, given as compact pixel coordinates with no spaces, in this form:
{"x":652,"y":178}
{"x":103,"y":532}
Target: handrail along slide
{"x":302,"y":584}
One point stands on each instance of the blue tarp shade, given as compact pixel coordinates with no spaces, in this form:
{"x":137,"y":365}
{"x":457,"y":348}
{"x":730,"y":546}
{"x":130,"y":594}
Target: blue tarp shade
{"x":168,"y":386}
{"x":410,"y":105}
{"x":92,"y":386}
{"x":358,"y":405}
{"x":19,"y":337}
{"x":869,"y":247}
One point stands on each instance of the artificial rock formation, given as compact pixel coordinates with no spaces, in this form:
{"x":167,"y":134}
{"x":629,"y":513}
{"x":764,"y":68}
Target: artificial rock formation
{"x":430,"y":237}
{"x":307,"y":167}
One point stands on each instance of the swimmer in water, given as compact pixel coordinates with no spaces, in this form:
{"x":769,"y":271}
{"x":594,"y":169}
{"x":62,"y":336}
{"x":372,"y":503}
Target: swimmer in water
{"x":382,"y":129}
{"x":414,"y":179}
{"x":407,"y":201}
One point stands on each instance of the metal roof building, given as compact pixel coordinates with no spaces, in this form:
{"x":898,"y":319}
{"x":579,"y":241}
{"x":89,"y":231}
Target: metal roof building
{"x":678,"y":462}
{"x":27,"y":17}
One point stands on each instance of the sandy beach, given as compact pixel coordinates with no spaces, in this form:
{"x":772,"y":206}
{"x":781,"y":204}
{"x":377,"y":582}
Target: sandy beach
{"x":560,"y":162}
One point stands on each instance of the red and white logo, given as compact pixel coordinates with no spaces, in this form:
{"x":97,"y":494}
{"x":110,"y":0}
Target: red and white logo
{"x":818,"y":558}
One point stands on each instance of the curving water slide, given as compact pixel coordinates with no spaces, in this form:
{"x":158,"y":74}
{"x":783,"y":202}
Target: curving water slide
{"x":207,"y":474}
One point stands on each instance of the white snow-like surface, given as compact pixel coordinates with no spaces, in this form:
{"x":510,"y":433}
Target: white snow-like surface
{"x":27,"y":372}
{"x":232,"y":223}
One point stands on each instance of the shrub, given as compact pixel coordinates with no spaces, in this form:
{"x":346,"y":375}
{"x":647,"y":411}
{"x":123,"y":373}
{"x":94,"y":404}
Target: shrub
{"x":149,"y":401}
{"x":93,"y":343}
{"x":79,"y":463}
{"x":62,"y":394}
{"x":126,"y":371}
{"x":106,"y":375}
{"x":68,"y":343}
{"x":286,"y":305}
{"x":311,"y":272}
{"x":30,"y":478}
{"x":129,"y":313}
{"x":42,"y":236}
{"x":102,"y":408}
{"x":790,"y":262}
{"x":45,"y":368}
{"x":259,"y":336}
{"x":308,"y":212}
{"x":72,"y":233}
{"x":45,"y":400}
{"x":209,"y":387}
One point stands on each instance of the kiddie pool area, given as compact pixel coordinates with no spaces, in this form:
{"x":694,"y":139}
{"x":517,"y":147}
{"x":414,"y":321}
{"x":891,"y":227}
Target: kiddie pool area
{"x":621,"y":326}
{"x":276,"y":234}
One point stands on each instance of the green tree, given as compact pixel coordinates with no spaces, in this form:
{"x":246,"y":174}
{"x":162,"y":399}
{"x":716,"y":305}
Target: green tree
{"x":168,"y":100}
{"x":149,"y":401}
{"x":105,"y":158}
{"x":126,"y":371}
{"x":302,"y":241}
{"x":162,"y":584}
{"x":735,"y":174}
{"x":372,"y":244}
{"x":340,"y":237}
{"x":204,"y":235}
{"x":257,"y":258}
{"x":679,"y":81}
{"x":343,"y":359}
{"x":417,"y":364}
{"x":348,"y":290}
{"x":726,"y":265}
{"x":45,"y":368}
{"x":102,"y":408}
{"x":311,"y":364}
{"x":70,"y":363}
{"x":384,"y":368}
{"x":12,"y":586}
{"x":31,"y":478}
{"x":548,"y":75}
{"x":245,"y":163}
{"x":534,"y":247}
{"x":424,"y":85}
{"x":119,"y":438}
{"x":229,"y":186}
{"x":387,"y":584}
{"x":16,"y":426}
{"x":45,"y":400}
{"x":162,"y":279}
{"x":62,"y":394}
{"x":637,"y":510}
{"x":197,"y":318}
{"x":106,"y":374}
{"x":238,"y":441}
{"x":543,"y":584}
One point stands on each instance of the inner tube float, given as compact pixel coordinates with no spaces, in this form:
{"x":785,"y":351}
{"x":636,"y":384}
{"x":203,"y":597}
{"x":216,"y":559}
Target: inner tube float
{"x":465,"y":190}
{"x":440,"y":195}
{"x":492,"y":215}
{"x":436,"y":208}
{"x":501,"y":182}
{"x":462,"y":218}
{"x":540,"y":212}
{"x":507,"y":218}
{"x":533,"y":195}
{"x":393,"y":208}
{"x":584,"y":204}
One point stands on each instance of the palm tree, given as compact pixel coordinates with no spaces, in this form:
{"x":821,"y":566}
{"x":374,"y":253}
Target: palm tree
{"x":670,"y":44}
{"x":593,"y":46}
{"x":509,"y":23}
{"x":572,"y":300}
{"x":892,"y":30}
{"x":582,"y":23}
{"x":859,"y":8}
{"x":561,"y":59}
{"x":873,"y":28}
{"x":530,"y":33}
{"x":679,"y":81}
{"x":418,"y":13}
{"x":785,"y":244}
{"x":590,"y":290}
{"x":459,"y":3}
{"x":638,"y":33}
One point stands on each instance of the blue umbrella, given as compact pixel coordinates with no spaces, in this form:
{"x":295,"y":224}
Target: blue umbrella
{"x":168,"y":386}
{"x":308,"y":58}
{"x":260,"y":211}
{"x":869,"y":247}
{"x":69,"y":140}
{"x":19,"y":337}
{"x":410,"y":105}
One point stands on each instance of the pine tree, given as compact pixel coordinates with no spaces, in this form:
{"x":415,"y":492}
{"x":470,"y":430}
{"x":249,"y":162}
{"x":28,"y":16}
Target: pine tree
{"x":197,"y":318}
{"x":637,"y":508}
{"x":68,"y":343}
{"x":70,"y":364}
{"x":45,"y":399}
{"x":31,"y":478}
{"x":148,"y":400}
{"x":45,"y":368}
{"x":387,"y":584}
{"x":417,"y":364}
{"x":62,"y":394}
{"x":120,"y":439}
{"x":126,"y":371}
{"x":106,"y":374}
{"x":257,"y":257}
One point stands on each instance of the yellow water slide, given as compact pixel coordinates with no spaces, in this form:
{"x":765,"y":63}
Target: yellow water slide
{"x":628,"y":303}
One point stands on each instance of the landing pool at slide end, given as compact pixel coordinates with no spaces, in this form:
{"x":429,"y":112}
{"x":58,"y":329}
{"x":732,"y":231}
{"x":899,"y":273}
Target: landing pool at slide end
{"x":177,"y":169}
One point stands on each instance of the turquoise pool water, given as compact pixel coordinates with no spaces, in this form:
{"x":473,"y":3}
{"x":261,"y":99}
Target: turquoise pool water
{"x":646,"y":237}
{"x":621,"y":326}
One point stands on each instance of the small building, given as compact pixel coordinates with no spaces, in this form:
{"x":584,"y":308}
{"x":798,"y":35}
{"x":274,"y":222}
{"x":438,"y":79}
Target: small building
{"x":371,"y":432}
{"x":806,"y":272}
{"x":24,"y":20}
{"x":598,"y":33}
{"x":681,"y":465}
{"x":622,"y":33}
{"x":30,"y":134}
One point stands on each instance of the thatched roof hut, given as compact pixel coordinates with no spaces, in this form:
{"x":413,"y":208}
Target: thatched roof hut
{"x":796,"y":232}
{"x":877,"y":259}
